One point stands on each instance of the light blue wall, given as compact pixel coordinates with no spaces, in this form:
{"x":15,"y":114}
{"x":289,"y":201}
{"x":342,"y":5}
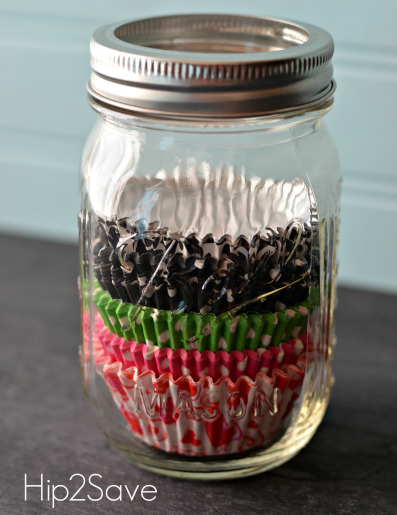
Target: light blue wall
{"x":44,"y":116}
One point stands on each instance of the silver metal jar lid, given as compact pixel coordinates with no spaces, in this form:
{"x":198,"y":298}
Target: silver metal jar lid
{"x":211,"y":66}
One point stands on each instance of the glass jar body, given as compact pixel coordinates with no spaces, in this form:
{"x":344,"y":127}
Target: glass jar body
{"x":208,"y":261}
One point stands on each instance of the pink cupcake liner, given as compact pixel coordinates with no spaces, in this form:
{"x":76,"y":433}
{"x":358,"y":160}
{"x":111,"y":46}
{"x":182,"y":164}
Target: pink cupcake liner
{"x":197,"y":364}
{"x":203,"y":418}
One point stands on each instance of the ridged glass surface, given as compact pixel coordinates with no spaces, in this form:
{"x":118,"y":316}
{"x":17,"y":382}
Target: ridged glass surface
{"x":207,"y":298}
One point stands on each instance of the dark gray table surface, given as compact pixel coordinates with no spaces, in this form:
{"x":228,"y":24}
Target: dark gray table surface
{"x":350,"y":466}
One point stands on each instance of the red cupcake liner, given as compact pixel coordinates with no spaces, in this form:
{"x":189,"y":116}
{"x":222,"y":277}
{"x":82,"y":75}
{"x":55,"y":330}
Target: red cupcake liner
{"x":203,"y":418}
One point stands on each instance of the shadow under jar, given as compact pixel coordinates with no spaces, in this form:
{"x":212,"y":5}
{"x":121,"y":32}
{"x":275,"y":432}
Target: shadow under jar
{"x":208,"y":228}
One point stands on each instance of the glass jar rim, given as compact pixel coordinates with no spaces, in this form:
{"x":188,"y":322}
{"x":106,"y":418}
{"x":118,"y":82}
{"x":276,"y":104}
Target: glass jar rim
{"x":139,"y":66}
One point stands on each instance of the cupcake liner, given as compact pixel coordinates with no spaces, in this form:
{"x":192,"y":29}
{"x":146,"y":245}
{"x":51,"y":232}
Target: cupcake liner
{"x":197,"y":364}
{"x":203,"y":332}
{"x":203,"y":418}
{"x":143,"y":263}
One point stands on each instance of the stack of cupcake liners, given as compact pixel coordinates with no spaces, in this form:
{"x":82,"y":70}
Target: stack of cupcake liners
{"x":203,"y":417}
{"x":137,"y":360}
{"x":202,"y":341}
{"x":144,"y":265}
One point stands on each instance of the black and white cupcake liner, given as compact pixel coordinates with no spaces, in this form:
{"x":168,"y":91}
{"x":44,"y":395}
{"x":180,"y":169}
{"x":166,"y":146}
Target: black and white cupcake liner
{"x":144,"y":264}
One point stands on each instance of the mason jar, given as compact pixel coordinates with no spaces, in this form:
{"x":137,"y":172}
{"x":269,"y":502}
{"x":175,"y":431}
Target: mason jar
{"x":208,"y":231}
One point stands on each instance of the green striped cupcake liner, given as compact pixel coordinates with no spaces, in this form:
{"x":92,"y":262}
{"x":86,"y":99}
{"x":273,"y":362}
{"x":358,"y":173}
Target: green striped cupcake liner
{"x":228,"y":332}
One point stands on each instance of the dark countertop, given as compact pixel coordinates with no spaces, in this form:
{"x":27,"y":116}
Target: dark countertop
{"x":349,"y":467}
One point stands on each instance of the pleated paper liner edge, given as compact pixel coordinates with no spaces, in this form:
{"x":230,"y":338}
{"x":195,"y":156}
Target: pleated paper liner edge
{"x":203,"y":332}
